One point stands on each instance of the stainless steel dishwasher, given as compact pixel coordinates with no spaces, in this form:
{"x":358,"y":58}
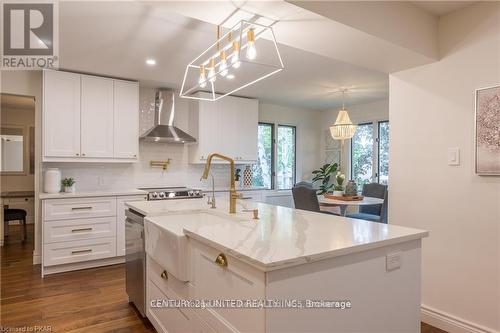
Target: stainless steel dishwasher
{"x":135,"y":257}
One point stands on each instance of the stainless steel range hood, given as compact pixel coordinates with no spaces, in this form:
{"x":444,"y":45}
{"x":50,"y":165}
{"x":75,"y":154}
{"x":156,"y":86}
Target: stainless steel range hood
{"x":164,"y":129}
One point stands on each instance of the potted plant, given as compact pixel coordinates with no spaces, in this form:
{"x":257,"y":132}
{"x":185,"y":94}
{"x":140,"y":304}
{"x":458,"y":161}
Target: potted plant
{"x":338,"y":190}
{"x":324,"y":174}
{"x":68,"y":185}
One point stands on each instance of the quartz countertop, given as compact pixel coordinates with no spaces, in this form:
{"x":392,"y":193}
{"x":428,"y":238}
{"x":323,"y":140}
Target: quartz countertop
{"x":282,"y":237}
{"x":96,"y":193}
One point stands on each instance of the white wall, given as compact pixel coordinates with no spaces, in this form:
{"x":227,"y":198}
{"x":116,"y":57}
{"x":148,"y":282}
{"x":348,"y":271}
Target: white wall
{"x":308,"y":133}
{"x":359,"y":113}
{"x":432,"y":109}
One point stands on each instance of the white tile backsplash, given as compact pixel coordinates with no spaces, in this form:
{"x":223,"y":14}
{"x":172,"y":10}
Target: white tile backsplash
{"x":106,"y":176}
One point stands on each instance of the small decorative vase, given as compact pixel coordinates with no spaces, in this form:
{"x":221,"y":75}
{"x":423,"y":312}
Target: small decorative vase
{"x":70,"y":189}
{"x":247,"y":176}
{"x":338,"y":193}
{"x":351,"y":189}
{"x":52,"y":181}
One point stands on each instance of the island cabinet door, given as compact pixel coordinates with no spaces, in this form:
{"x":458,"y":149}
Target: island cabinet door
{"x":236,"y":281}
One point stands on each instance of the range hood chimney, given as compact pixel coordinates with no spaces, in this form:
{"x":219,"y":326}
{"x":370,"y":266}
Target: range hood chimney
{"x":164,"y":129}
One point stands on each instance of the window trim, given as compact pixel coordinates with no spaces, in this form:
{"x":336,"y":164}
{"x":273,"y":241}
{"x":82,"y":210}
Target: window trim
{"x":294,"y":156}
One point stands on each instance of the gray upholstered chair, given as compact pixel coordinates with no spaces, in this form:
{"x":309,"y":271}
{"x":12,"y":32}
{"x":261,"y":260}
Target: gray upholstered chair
{"x":305,"y":198}
{"x":303,"y":183}
{"x":374,"y":213}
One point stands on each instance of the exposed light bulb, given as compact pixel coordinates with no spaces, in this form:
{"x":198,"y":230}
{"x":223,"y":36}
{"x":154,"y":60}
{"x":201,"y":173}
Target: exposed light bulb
{"x":235,"y":60}
{"x":202,"y":81}
{"x":223,"y":64}
{"x":211,"y":71}
{"x":251,"y":49}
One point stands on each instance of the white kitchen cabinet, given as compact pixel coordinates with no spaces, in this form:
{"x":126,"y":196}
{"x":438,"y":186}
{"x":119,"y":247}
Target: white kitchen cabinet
{"x":126,"y":119}
{"x":89,"y":118}
{"x":120,"y":220}
{"x":228,"y":126}
{"x":96,"y":117}
{"x":61,"y":114}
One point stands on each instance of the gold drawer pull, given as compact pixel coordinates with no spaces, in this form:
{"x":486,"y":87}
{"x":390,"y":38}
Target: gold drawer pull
{"x":221,"y":260}
{"x":81,"y":229}
{"x":81,"y":208}
{"x":81,"y":251}
{"x":164,"y":275}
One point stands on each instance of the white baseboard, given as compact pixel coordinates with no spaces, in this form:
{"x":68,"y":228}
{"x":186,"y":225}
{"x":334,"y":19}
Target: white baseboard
{"x":37,"y":259}
{"x":450,"y":323}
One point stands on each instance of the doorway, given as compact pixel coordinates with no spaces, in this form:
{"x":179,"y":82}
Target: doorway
{"x":17,"y":174}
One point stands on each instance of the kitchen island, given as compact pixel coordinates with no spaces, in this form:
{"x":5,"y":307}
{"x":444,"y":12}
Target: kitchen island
{"x":287,"y":271}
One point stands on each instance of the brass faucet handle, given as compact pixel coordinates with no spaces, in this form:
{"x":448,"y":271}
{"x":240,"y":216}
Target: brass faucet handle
{"x":254,"y":211}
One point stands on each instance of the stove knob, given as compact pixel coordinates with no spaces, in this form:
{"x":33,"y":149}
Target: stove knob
{"x":197,"y":193}
{"x":154,"y":195}
{"x":190,"y":193}
{"x":162,"y":194}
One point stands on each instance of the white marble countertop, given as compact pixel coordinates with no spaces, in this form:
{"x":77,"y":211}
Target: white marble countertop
{"x":96,"y":193}
{"x":282,"y":237}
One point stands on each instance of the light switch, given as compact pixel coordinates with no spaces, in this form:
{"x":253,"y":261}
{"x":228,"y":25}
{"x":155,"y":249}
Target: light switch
{"x":393,"y":260}
{"x":454,"y":156}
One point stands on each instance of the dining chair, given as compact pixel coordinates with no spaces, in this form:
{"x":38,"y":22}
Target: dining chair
{"x":305,"y":198}
{"x":374,"y":213}
{"x":11,"y":214}
{"x":303,"y":183}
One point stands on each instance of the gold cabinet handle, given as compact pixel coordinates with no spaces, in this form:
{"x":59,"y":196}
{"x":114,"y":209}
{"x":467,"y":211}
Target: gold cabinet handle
{"x":164,"y":275}
{"x":81,"y":251}
{"x":81,"y":208}
{"x":221,"y":260}
{"x":81,"y":229}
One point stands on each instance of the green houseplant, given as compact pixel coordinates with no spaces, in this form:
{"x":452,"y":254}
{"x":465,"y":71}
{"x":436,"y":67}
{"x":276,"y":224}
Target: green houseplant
{"x":68,"y":185}
{"x":324,"y":174}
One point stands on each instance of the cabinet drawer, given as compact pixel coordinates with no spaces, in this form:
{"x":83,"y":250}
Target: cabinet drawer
{"x":172,"y":320}
{"x":62,"y":209}
{"x":168,"y":284}
{"x":76,"y":251}
{"x":238,"y":281}
{"x":69,"y":230}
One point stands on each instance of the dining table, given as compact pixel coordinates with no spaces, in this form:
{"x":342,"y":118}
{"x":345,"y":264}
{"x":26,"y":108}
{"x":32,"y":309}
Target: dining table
{"x":343,"y":204}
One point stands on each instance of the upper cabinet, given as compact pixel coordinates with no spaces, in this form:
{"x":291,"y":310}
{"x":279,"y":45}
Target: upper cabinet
{"x":126,"y":119}
{"x":89,"y":118}
{"x":228,"y":126}
{"x":61,"y":114}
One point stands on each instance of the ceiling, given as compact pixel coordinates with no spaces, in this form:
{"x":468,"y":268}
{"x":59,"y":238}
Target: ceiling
{"x":439,"y":8}
{"x":113,"y":40}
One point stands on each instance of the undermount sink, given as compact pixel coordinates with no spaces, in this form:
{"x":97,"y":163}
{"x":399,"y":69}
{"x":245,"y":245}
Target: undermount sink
{"x":167,"y":244}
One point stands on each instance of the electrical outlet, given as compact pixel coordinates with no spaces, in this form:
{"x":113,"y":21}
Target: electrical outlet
{"x":393,"y":260}
{"x":100,"y":181}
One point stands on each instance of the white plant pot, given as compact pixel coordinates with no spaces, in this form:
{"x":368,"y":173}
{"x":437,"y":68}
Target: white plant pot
{"x":70,"y":189}
{"x":338,"y":193}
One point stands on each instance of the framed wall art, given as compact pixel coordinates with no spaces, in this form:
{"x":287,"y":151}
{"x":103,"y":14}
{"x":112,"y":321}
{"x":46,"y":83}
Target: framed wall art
{"x":487,"y":131}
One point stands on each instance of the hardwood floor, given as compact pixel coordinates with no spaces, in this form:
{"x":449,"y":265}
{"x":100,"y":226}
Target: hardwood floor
{"x":92,"y":300}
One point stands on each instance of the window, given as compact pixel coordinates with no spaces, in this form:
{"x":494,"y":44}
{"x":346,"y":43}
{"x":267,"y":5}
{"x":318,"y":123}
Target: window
{"x":263,"y":170}
{"x":285,"y":167}
{"x":370,"y":161}
{"x":362,"y":155}
{"x":383,"y":152}
{"x":275,"y":170}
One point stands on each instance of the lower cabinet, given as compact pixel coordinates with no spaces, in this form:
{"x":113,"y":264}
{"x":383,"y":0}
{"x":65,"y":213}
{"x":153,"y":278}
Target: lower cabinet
{"x":83,"y":232}
{"x":208,"y":281}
